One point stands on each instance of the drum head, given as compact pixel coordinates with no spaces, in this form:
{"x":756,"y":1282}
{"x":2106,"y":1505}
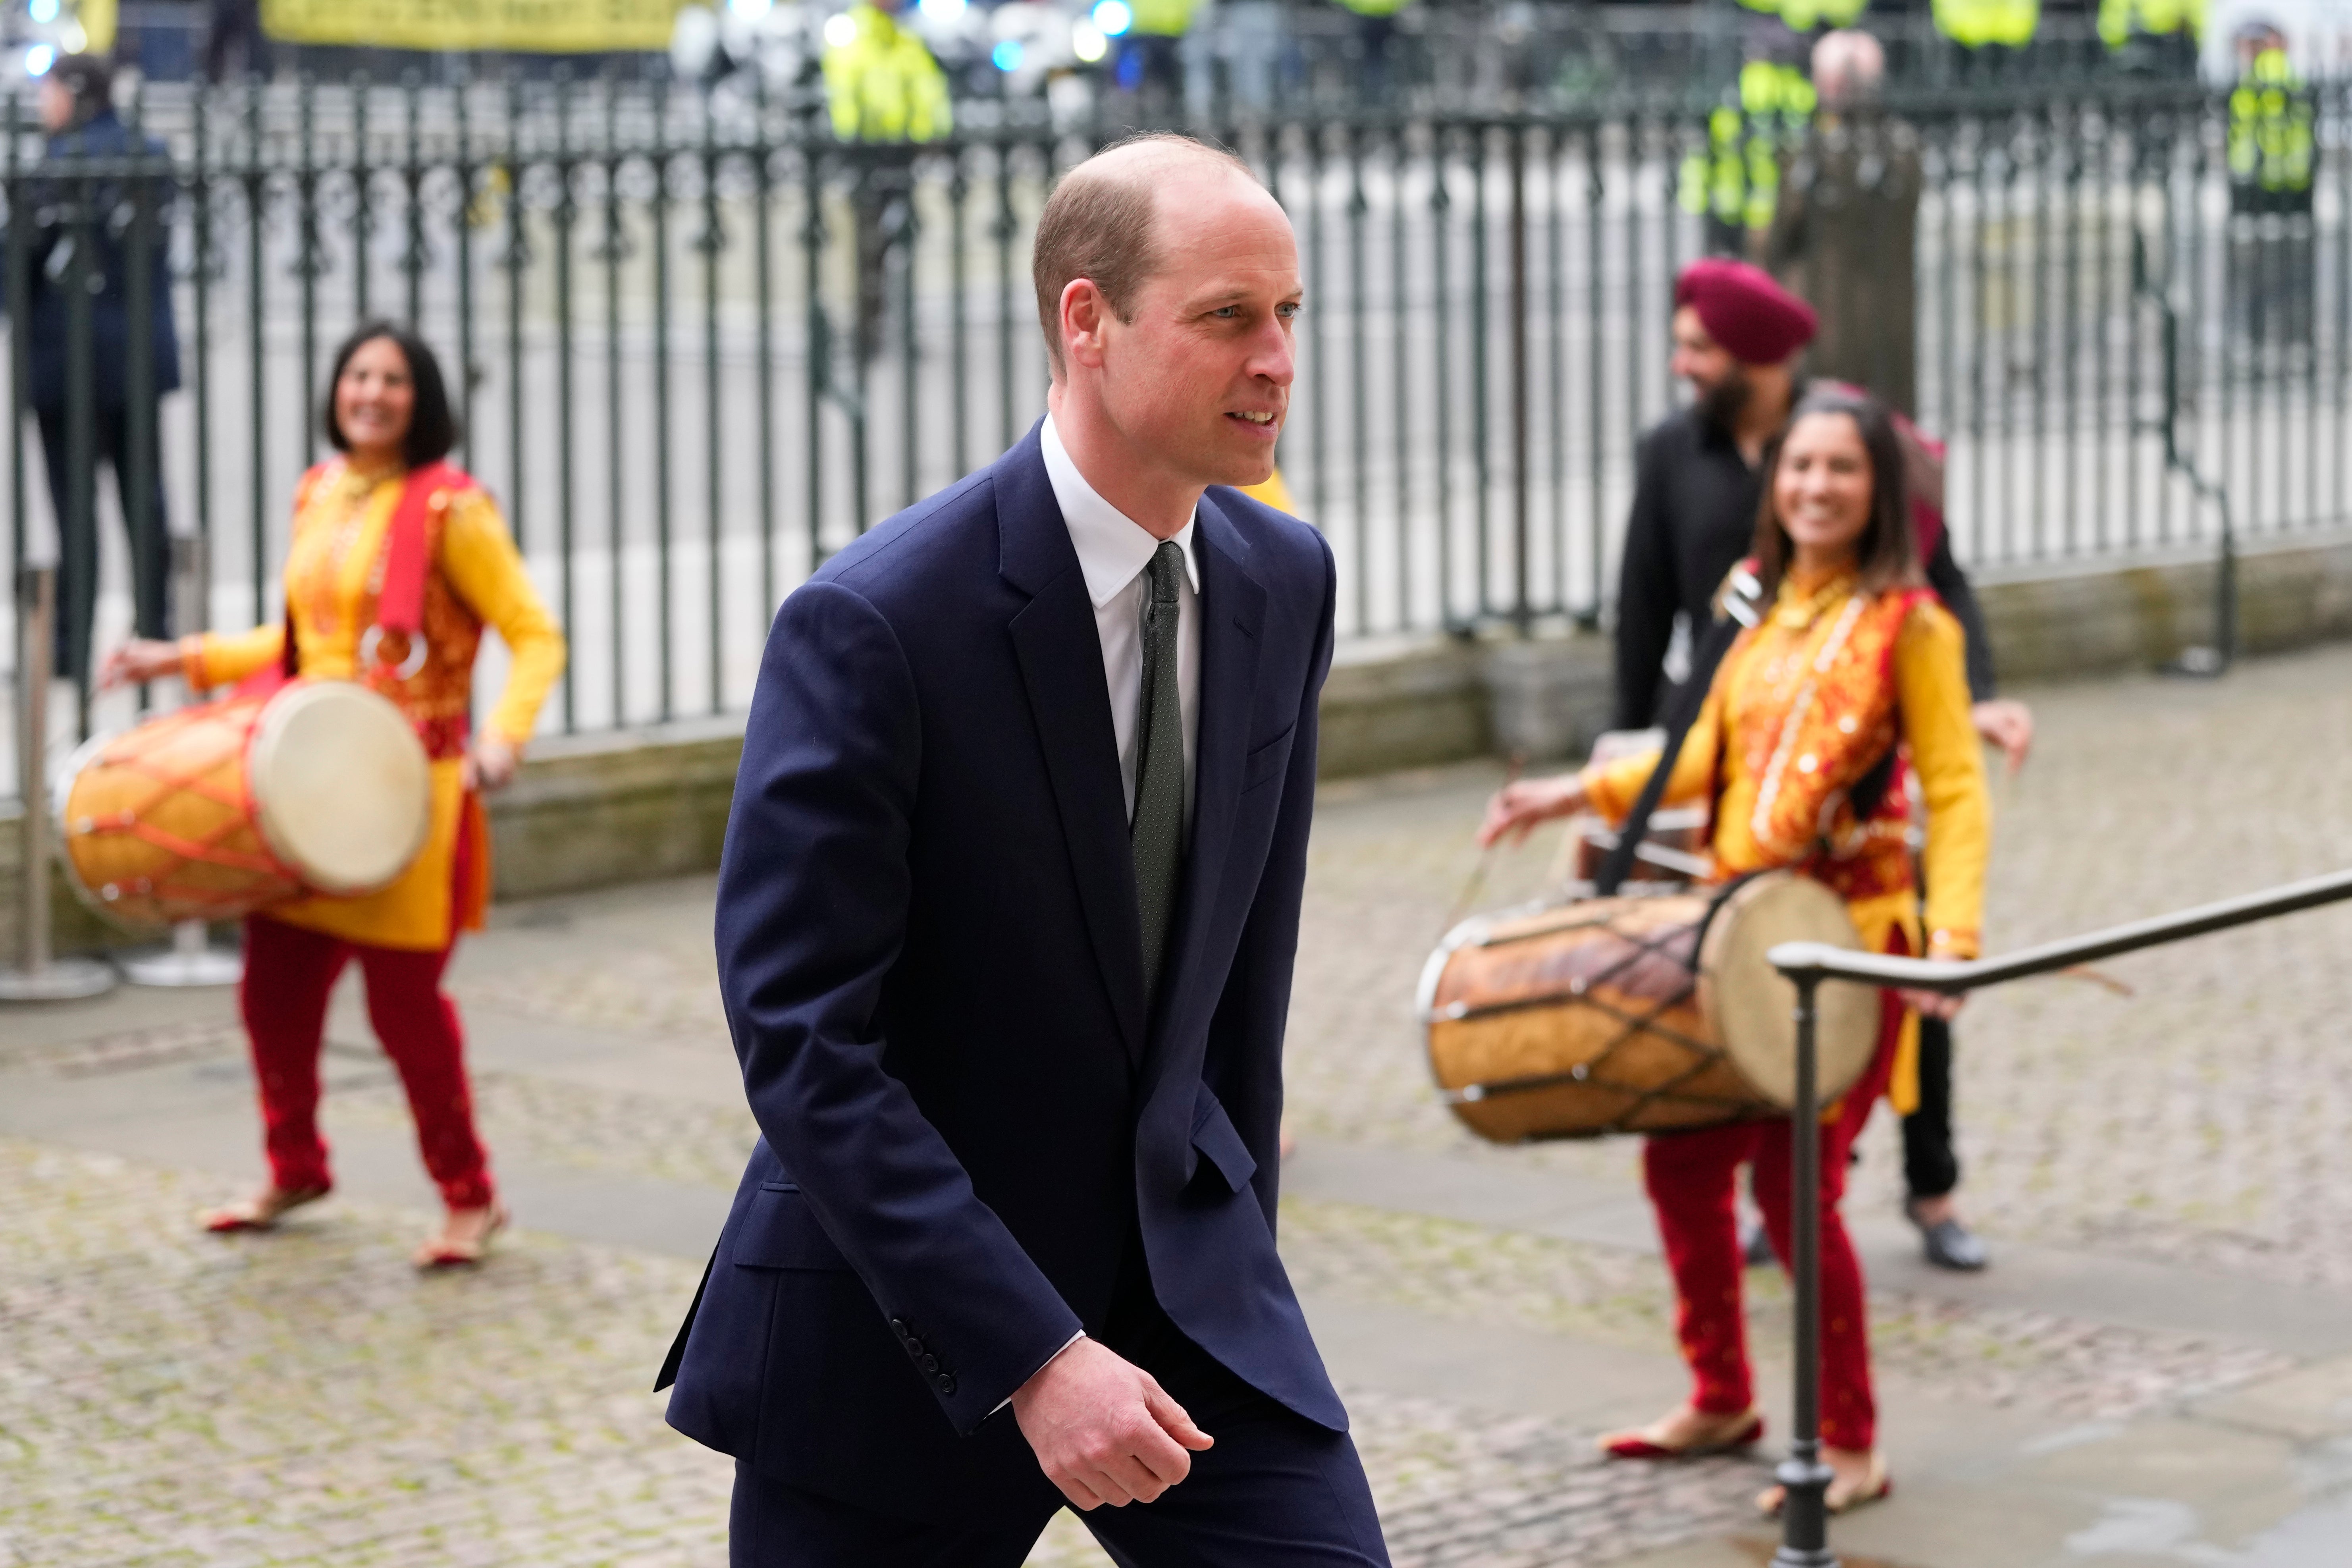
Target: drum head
{"x":1753,"y":1008}
{"x":340,"y":786}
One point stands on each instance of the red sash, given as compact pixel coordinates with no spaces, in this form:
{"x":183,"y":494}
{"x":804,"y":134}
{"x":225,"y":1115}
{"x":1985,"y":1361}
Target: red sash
{"x":400,"y":601}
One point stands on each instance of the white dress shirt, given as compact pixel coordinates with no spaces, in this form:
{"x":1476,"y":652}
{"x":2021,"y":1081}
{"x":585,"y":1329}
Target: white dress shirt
{"x":1113,"y":552}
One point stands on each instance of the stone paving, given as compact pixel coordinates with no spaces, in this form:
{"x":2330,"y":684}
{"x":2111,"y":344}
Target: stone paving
{"x":171,"y":1398}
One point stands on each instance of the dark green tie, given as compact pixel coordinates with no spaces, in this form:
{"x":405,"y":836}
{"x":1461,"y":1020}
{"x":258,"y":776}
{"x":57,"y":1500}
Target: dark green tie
{"x":1157,"y":835}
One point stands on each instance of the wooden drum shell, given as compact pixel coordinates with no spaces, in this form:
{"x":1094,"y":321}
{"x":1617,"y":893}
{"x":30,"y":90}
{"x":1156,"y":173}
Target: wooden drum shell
{"x":1612,"y":1014}
{"x":165,"y":822}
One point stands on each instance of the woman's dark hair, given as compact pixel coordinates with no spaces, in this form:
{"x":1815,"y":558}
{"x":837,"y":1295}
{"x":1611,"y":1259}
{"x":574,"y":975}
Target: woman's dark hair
{"x":1887,"y":553}
{"x":431,"y":428}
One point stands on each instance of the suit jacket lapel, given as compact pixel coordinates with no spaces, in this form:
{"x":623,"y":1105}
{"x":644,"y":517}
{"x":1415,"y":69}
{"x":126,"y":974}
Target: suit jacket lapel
{"x":1233,"y":604}
{"x":1060,"y":655}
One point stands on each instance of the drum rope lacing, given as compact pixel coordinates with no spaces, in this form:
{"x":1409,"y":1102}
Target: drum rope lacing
{"x":135,"y":753}
{"x":1590,"y":1073}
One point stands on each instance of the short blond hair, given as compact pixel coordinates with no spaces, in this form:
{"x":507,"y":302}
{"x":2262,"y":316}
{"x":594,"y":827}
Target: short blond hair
{"x":1099,"y":224}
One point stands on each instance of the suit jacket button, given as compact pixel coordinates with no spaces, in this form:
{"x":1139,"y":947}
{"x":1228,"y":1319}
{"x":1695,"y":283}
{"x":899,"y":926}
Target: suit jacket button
{"x":899,"y":1327}
{"x":946,"y":1384}
{"x":930,"y":1363}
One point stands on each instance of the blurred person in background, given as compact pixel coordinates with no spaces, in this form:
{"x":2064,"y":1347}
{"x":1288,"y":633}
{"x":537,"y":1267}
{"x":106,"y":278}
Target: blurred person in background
{"x":235,"y":45}
{"x":1992,"y":34}
{"x":1251,"y":35}
{"x":1697,"y":484}
{"x":1151,"y":56}
{"x":2153,"y":37}
{"x":388,"y":414}
{"x":77,"y":109}
{"x":1376,"y":42}
{"x":1848,"y":677}
{"x":887,"y":96}
{"x":1845,"y":233}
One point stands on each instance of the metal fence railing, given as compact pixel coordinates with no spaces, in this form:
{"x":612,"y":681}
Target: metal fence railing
{"x":699,"y":345}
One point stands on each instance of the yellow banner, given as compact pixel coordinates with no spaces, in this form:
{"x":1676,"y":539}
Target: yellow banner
{"x":531,"y":26}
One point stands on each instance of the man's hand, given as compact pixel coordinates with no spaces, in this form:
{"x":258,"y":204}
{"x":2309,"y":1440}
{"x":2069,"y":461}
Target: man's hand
{"x":2007,"y":725}
{"x":1103,"y":1430}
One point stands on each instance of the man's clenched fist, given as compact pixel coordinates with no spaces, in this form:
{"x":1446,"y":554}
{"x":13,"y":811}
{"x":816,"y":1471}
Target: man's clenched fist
{"x":1103,"y":1430}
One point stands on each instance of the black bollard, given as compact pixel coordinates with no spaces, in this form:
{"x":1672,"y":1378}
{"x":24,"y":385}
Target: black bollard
{"x":1804,"y":1516}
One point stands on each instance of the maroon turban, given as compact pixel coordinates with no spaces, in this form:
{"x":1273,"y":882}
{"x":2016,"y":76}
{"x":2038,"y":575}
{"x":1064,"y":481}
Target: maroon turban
{"x":1756,"y":320}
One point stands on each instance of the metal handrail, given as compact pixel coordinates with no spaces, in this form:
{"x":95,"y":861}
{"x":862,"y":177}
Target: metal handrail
{"x":1800,"y":960}
{"x":1804,"y":1542}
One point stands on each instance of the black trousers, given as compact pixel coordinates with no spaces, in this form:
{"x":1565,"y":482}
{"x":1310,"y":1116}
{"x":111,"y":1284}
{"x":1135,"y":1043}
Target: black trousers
{"x":1276,"y":1491}
{"x":1930,"y":1166}
{"x":151,"y":548}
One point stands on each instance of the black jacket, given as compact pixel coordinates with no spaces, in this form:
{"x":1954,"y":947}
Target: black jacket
{"x":70,"y":209}
{"x":1695,"y":500}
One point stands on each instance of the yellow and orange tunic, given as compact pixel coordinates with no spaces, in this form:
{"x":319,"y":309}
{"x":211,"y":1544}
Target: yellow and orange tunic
{"x":334,"y":570}
{"x":1804,"y":705}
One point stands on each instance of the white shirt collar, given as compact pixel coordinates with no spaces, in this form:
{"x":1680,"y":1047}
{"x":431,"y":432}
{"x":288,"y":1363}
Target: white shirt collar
{"x":1113,"y":548}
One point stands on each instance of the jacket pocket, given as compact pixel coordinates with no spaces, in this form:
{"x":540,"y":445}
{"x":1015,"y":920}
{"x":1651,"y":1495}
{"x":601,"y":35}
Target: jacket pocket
{"x":1266,"y":762}
{"x":781,"y":1231}
{"x":1214,"y":1136}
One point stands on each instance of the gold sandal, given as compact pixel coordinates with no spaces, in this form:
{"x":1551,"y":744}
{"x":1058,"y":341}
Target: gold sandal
{"x":440,"y":1252}
{"x":1842,"y":1498}
{"x":1649,"y":1442}
{"x":258,"y":1214}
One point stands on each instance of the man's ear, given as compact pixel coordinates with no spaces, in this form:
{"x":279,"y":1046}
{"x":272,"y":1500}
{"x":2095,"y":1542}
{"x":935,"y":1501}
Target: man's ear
{"x":1085,"y":315}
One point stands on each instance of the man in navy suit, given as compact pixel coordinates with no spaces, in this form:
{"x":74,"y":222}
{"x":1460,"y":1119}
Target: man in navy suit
{"x":1006,"y":920}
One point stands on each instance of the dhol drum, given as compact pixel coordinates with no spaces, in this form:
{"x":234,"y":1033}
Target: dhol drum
{"x":215,"y":810}
{"x":1646,"y":1012}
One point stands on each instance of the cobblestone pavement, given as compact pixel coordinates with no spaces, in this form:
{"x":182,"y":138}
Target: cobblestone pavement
{"x":170,"y":1398}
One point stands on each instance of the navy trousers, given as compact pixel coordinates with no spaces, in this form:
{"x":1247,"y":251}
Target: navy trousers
{"x":1276,"y":1491}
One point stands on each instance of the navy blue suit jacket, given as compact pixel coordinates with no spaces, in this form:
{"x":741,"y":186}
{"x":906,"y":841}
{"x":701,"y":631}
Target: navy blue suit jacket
{"x":932,"y":967}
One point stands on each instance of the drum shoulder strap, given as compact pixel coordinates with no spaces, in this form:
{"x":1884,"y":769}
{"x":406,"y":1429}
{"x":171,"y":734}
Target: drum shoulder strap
{"x":1742,"y":603}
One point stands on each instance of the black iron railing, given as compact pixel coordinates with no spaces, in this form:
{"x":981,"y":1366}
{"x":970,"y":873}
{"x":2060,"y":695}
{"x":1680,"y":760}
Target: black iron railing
{"x":699,"y":344}
{"x":1809,"y":965}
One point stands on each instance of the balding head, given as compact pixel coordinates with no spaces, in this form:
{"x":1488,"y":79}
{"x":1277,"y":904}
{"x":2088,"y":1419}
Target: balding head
{"x":1849,"y":69}
{"x":1167,"y":284}
{"x":1102,"y":221}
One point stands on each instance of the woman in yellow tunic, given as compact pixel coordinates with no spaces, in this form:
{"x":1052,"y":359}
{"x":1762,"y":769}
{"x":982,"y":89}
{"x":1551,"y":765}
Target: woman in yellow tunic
{"x":1853,"y":677}
{"x":388,"y":413}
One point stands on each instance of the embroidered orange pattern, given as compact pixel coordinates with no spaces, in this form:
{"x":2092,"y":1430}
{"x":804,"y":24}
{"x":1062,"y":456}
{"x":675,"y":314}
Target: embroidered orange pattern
{"x":1810,"y":707}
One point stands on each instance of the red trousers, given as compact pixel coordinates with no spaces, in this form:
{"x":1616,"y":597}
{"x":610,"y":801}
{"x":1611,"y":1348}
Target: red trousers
{"x":1691,"y":1179}
{"x":289,"y":974}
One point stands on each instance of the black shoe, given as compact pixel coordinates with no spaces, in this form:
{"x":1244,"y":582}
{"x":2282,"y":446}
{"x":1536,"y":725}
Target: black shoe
{"x":1756,"y":1247}
{"x":1949,"y":1244}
